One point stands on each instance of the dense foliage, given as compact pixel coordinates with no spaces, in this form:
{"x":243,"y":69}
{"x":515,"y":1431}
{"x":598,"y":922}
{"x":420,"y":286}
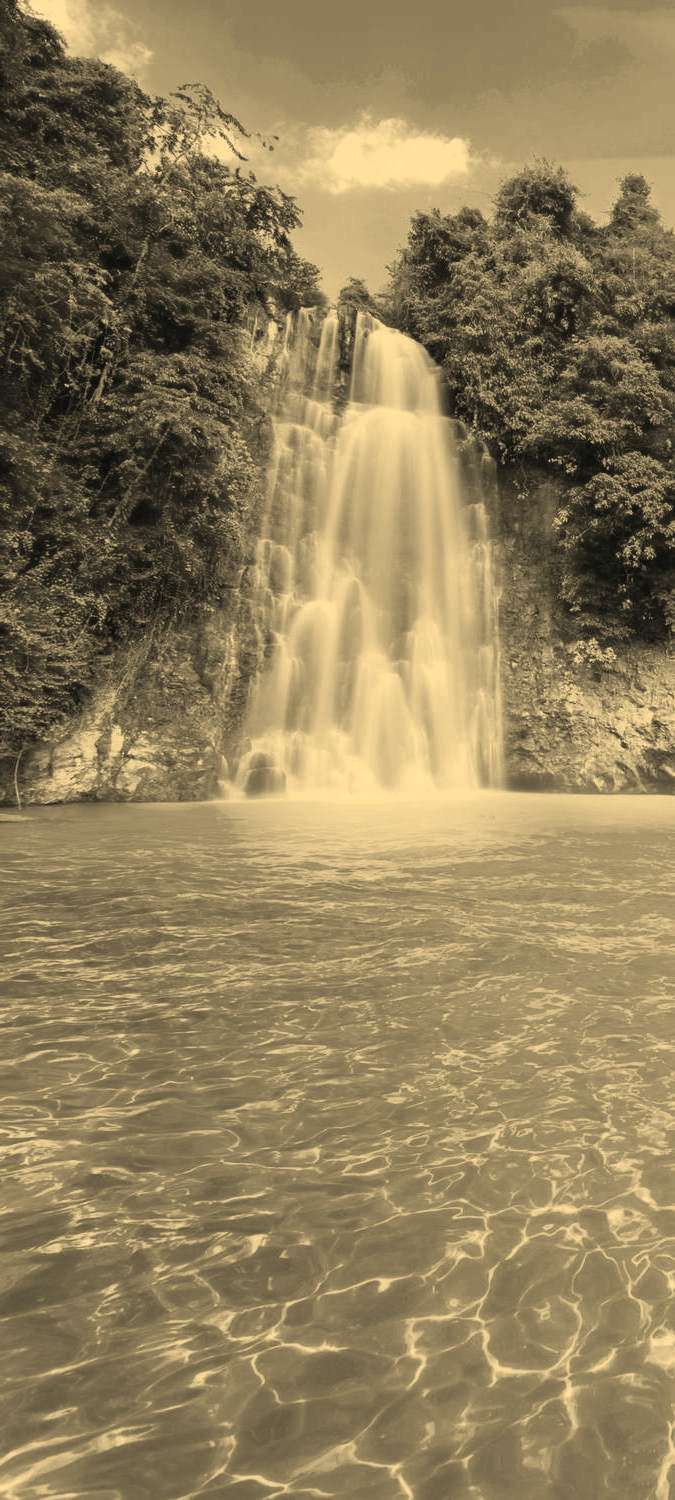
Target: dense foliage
{"x":557,"y":338}
{"x":133,"y":247}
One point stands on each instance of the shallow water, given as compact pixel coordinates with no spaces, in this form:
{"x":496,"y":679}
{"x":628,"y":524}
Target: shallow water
{"x":336,"y":1151}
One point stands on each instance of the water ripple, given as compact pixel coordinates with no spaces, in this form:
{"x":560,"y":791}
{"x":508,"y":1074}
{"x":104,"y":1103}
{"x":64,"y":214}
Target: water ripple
{"x":337,"y":1152}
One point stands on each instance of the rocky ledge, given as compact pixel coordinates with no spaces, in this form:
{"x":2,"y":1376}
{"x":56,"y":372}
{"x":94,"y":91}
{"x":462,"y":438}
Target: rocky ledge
{"x":162,"y":727}
{"x":570,"y":727}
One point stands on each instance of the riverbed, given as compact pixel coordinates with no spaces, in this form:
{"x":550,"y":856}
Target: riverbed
{"x":337,"y":1150}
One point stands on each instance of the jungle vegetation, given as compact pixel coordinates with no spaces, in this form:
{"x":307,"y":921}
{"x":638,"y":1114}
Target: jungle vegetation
{"x":557,"y":340}
{"x":135,"y":243}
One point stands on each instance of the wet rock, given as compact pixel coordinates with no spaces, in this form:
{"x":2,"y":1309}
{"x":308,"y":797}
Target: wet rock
{"x":570,"y":727}
{"x":264,"y":778}
{"x":160,"y":727}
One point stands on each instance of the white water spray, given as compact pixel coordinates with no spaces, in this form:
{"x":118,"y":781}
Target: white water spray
{"x":375,"y":585}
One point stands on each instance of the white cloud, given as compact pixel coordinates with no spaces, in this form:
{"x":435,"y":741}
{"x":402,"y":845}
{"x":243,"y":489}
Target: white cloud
{"x":382,"y":154}
{"x":94,"y":29}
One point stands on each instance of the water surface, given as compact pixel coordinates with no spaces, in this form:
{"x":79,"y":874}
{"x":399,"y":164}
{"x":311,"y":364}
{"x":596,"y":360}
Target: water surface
{"x":336,"y":1151}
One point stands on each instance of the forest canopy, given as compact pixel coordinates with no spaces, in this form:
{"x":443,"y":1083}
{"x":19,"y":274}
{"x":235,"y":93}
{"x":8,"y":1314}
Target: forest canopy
{"x":557,"y":340}
{"x":133,"y":253}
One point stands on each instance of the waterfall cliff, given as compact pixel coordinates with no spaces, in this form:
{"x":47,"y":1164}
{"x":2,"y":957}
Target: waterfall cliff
{"x":375,"y":590}
{"x":262,"y":692}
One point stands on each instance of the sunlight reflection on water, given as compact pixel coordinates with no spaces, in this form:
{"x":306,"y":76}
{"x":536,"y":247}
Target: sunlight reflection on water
{"x":336,"y":1148}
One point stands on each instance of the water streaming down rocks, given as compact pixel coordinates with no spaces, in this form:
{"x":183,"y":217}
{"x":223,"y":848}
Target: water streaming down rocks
{"x":375,"y":582}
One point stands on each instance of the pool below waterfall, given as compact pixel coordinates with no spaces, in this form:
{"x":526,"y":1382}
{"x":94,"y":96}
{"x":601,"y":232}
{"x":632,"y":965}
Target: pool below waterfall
{"x":336,"y":1150}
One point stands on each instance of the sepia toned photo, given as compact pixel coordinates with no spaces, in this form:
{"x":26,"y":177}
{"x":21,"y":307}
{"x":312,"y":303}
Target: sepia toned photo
{"x":337,"y":750}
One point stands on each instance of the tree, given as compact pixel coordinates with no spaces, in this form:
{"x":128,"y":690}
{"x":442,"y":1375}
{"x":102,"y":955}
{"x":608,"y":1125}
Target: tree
{"x":633,"y":210}
{"x":557,"y":340}
{"x":540,"y":191}
{"x":129,"y":454}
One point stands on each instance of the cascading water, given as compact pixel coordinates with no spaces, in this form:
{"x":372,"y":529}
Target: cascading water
{"x":375,"y":587}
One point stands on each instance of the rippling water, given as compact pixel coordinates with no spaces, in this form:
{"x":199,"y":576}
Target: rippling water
{"x":335,"y":1148}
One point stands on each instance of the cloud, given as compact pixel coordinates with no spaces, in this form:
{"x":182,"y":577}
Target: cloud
{"x":381,"y":154}
{"x":645,"y":32}
{"x":94,"y":29}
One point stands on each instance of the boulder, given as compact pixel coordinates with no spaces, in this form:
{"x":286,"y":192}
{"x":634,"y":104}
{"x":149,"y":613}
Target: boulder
{"x":264,"y":779}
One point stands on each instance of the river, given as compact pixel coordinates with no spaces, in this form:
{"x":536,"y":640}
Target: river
{"x":336,"y":1150}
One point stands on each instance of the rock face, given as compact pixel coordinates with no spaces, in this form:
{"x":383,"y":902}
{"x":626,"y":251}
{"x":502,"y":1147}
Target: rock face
{"x":567,"y":727}
{"x":164,"y":726}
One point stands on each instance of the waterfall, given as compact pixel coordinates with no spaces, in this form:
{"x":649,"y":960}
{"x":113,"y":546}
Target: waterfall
{"x":375,"y":587}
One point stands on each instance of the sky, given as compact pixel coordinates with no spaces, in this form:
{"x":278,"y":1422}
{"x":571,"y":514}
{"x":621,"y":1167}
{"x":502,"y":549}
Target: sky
{"x":382,"y":109}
